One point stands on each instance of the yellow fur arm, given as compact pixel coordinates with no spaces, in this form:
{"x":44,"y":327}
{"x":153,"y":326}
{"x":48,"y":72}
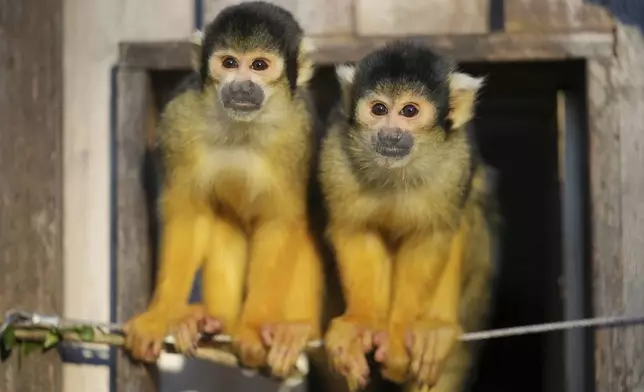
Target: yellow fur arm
{"x":284,"y":280}
{"x":365,"y":271}
{"x":445,"y":301}
{"x":186,"y":231}
{"x":425,"y":308}
{"x":224,"y":272}
{"x":420,"y":263}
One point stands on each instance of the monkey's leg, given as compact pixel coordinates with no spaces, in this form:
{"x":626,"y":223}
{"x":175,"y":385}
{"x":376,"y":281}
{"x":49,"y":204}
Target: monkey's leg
{"x":365,"y":270}
{"x":424,"y":324}
{"x":184,"y":239}
{"x":283,"y":304}
{"x":224,"y":275}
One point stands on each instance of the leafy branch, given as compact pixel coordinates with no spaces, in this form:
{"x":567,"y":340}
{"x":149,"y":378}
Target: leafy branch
{"x":27,"y":339}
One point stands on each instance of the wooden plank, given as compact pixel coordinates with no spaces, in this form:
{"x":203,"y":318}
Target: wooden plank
{"x":616,"y":93}
{"x":400,"y":18}
{"x":317,"y":17}
{"x":31,"y":180}
{"x":555,"y":16}
{"x":489,"y":47}
{"x":134,"y":262}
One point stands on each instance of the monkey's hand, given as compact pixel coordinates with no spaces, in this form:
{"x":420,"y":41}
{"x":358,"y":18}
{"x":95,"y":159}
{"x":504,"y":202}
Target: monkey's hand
{"x":286,"y":341}
{"x":419,"y":352}
{"x":249,"y":346}
{"x":187,"y":331}
{"x":347,"y":342}
{"x":145,"y":333}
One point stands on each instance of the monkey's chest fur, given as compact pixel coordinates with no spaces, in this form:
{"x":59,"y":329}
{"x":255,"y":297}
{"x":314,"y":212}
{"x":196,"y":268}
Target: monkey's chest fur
{"x":242,"y":181}
{"x":398,"y":214}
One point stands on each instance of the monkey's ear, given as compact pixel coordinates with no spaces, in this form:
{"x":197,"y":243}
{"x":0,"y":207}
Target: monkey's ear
{"x":196,"y":40}
{"x":346,"y":74}
{"x":305,"y":61}
{"x":463,"y":90}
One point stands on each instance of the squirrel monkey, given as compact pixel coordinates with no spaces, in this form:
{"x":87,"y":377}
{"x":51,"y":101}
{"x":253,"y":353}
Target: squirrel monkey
{"x":408,"y":219}
{"x":237,"y":160}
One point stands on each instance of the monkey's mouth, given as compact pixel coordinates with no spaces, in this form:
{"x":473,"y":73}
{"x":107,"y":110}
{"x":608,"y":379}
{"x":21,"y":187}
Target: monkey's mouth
{"x":242,"y":106}
{"x":392,"y":151}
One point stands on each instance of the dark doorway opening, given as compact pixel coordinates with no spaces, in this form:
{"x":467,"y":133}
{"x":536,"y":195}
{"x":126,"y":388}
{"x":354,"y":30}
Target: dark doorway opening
{"x":521,"y":134}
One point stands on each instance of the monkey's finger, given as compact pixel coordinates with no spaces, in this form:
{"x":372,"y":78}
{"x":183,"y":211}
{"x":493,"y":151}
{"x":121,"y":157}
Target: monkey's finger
{"x":267,"y":333}
{"x":419,"y":344}
{"x":424,"y":388}
{"x":367,"y":341}
{"x":293,"y":343}
{"x":278,"y":347}
{"x":295,"y":349}
{"x":209,"y":325}
{"x":187,"y":337}
{"x":379,"y":338}
{"x":381,"y":352}
{"x":429,"y":368}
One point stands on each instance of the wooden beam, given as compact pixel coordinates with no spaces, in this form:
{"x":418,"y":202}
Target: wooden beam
{"x":317,"y":17}
{"x":555,"y":16}
{"x":399,"y":18}
{"x":133,"y":252}
{"x":31,"y":182}
{"x":470,"y":48}
{"x":616,"y":97}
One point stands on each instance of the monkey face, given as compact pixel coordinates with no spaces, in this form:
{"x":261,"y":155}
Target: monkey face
{"x":392,"y":125}
{"x":245,"y":80}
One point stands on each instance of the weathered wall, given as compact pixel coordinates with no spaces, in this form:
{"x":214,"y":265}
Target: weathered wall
{"x":617,"y":105}
{"x":31,"y":177}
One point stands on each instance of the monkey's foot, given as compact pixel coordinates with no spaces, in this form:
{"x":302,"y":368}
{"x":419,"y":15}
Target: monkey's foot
{"x":249,"y":346}
{"x":187,"y":330}
{"x":430,"y":344}
{"x":286,"y":342}
{"x":346,"y":343}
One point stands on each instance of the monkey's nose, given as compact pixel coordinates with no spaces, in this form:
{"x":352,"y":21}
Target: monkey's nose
{"x":245,"y":88}
{"x":391,"y":136}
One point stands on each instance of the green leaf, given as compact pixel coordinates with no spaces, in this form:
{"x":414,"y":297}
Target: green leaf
{"x":7,"y":343}
{"x":51,"y":339}
{"x":9,"y":338}
{"x":86,"y":333}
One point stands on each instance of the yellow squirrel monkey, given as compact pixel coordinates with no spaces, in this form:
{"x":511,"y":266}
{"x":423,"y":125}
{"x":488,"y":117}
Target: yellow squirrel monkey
{"x":408,"y":213}
{"x":236,"y":152}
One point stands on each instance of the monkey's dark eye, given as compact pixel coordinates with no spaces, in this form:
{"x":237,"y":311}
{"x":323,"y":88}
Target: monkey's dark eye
{"x":229,"y":62}
{"x":379,"y":109}
{"x":259,"y":65}
{"x":409,"y":111}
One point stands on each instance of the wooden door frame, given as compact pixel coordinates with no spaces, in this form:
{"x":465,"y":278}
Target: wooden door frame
{"x":136,"y":117}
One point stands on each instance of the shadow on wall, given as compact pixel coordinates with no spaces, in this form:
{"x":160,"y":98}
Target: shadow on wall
{"x":630,"y":12}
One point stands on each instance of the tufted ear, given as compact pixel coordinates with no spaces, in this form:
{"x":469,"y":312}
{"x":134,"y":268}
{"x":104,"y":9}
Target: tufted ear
{"x":346,"y":75}
{"x":463,"y":93}
{"x":196,"y":40}
{"x":305,"y":62}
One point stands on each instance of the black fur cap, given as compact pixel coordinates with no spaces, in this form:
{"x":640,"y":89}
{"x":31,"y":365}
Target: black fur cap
{"x":406,"y":64}
{"x":253,"y":25}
